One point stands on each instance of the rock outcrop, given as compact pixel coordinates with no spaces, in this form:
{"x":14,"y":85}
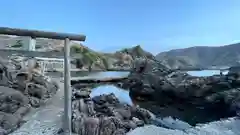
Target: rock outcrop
{"x":189,"y":98}
{"x":20,"y":90}
{"x":105,"y":115}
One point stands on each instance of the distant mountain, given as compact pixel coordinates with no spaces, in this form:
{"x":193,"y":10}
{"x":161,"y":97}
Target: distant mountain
{"x":202,"y":56}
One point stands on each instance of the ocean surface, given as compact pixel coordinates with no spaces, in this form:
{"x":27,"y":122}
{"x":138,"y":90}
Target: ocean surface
{"x":123,"y":95}
{"x":206,"y":72}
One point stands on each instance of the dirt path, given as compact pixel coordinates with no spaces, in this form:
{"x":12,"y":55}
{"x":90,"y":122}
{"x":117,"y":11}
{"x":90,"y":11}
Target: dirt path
{"x":46,"y":120}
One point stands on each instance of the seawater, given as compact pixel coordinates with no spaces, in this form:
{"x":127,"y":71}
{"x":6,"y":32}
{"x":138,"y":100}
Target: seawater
{"x":206,"y":72}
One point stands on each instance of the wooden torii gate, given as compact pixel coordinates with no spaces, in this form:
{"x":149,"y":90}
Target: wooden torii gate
{"x":33,"y":34}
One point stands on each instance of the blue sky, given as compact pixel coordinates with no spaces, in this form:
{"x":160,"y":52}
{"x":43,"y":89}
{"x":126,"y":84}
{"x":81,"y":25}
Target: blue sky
{"x":157,"y":25}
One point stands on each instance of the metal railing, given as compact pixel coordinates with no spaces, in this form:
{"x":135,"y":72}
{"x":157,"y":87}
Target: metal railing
{"x":51,"y":35}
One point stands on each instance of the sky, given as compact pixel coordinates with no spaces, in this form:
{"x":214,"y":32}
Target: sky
{"x":109,"y":25}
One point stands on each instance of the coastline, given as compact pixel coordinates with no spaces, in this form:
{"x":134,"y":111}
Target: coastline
{"x":42,"y":124}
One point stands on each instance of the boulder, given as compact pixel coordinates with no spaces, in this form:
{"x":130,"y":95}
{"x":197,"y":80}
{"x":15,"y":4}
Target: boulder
{"x":83,"y":93}
{"x":9,"y":122}
{"x":181,"y":94}
{"x":50,"y":85}
{"x":91,"y":126}
{"x":3,"y":131}
{"x":34,"y":102}
{"x":22,"y":111}
{"x":11,"y":100}
{"x":20,"y":89}
{"x":21,"y":81}
{"x":142,"y":65}
{"x":106,"y":115}
{"x":119,"y":132}
{"x":36,"y":90}
{"x":107,"y":126}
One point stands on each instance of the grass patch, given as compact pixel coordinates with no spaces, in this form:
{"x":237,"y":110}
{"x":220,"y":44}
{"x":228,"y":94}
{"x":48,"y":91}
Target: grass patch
{"x":90,"y":57}
{"x":18,"y":44}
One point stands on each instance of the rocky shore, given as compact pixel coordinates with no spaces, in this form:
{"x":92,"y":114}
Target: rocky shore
{"x":180,"y":95}
{"x":20,"y":91}
{"x":105,"y":115}
{"x":174,"y":97}
{"x":154,"y":87}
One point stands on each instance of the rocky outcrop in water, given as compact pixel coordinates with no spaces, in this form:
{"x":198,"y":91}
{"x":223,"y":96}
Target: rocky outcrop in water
{"x":144,"y":65}
{"x":192,"y":99}
{"x":20,"y":90}
{"x":105,"y":115}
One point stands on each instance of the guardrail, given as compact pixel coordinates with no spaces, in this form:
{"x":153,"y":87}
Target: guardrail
{"x":52,"y":35}
{"x":26,"y":53}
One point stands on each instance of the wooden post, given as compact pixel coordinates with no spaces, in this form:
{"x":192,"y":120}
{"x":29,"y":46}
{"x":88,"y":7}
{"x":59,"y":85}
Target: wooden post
{"x":32,"y":44}
{"x":31,"y":47}
{"x":67,"y":90}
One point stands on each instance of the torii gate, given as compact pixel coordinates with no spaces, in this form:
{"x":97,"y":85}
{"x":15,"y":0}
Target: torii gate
{"x":33,"y":34}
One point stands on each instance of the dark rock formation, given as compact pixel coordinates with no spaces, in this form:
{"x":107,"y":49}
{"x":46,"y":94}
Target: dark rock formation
{"x":234,"y":70}
{"x":144,"y":65}
{"x":189,"y":98}
{"x":105,"y":115}
{"x":19,"y":91}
